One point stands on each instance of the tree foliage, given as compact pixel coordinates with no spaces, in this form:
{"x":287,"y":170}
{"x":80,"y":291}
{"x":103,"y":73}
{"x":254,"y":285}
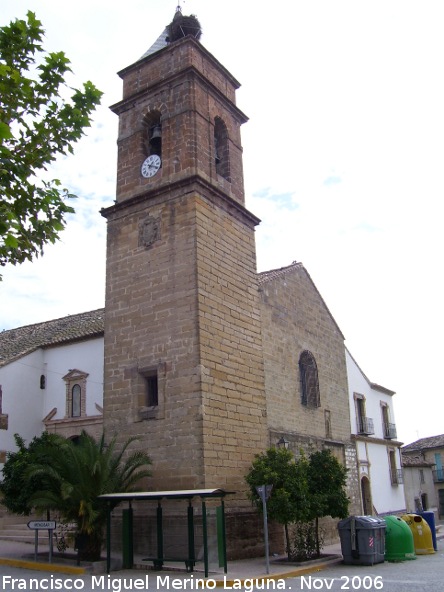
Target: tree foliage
{"x":327,"y":479}
{"x":289,"y":497}
{"x":304,"y":490}
{"x":36,"y":125}
{"x":68,"y":476}
{"x":17,"y":487}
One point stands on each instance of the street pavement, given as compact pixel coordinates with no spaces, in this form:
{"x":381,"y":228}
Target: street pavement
{"x":18,"y":571}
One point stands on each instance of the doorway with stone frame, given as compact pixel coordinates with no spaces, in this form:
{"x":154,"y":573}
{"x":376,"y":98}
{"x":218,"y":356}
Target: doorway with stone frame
{"x":366,"y":496}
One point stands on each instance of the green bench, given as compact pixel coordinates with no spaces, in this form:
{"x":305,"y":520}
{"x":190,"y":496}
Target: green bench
{"x":159,"y":561}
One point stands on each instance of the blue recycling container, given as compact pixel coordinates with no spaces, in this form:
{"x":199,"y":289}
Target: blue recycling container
{"x":429,"y":517}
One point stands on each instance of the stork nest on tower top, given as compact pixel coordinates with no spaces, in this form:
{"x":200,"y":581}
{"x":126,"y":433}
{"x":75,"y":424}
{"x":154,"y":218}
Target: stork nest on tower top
{"x":181,"y":26}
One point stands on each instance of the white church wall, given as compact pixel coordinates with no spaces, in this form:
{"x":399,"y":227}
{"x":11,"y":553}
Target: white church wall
{"x":22,"y":399}
{"x":86,"y":356}
{"x":27,"y":400}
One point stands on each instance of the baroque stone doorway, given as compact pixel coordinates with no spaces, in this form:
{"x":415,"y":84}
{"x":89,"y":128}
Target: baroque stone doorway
{"x":366,"y":496}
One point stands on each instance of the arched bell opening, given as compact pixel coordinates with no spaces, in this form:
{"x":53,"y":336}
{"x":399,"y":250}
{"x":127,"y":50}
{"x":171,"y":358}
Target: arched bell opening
{"x":152,"y":134}
{"x":221,"y":150}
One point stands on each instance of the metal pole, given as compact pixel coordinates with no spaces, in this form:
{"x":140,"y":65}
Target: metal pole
{"x":267,"y":558}
{"x":205,"y":537}
{"x":191,"y":554}
{"x":108,"y":537}
{"x":224,"y":537}
{"x":264,"y":492}
{"x":159,"y":534}
{"x":36,"y":543}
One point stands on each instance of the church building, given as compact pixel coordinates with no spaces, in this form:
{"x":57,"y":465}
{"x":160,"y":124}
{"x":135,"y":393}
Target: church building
{"x":204,"y":360}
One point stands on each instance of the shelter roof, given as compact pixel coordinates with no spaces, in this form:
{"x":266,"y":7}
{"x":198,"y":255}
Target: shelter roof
{"x":158,"y":495}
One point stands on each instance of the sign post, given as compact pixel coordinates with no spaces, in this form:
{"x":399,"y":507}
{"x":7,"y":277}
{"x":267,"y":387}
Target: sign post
{"x":264,"y":492}
{"x":37,"y":525}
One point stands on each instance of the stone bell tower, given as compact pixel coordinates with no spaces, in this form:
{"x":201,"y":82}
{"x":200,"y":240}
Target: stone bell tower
{"x":183,"y":351}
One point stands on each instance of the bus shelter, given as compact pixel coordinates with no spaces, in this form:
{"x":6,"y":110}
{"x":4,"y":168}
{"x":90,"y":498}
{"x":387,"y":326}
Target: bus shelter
{"x":114,"y":499}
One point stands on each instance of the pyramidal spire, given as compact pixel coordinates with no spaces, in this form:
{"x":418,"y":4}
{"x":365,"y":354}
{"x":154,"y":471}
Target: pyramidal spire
{"x":181,"y":26}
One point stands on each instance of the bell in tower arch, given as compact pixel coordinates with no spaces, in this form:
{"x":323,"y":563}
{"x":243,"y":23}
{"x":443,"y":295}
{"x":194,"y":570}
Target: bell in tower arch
{"x":155,"y":139}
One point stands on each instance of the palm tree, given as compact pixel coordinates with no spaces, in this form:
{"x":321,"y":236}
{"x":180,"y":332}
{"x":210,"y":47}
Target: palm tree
{"x":76,"y":473}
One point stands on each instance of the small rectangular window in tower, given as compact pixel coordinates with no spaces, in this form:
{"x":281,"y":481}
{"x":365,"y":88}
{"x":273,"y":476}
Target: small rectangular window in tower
{"x":152,"y":390}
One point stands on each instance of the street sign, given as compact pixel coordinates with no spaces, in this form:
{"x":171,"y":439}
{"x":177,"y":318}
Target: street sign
{"x":264,"y":491}
{"x":42,"y":524}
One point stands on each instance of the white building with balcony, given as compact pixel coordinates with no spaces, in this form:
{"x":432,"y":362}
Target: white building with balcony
{"x":378,"y":450}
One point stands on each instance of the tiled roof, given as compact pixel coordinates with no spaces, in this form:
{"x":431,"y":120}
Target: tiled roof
{"x":415,"y":461}
{"x":425,"y":443}
{"x":16,"y":343}
{"x":266,"y":276}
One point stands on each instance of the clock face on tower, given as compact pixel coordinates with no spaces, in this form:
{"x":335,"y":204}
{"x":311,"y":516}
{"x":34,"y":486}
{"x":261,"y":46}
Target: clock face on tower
{"x":150,"y":166}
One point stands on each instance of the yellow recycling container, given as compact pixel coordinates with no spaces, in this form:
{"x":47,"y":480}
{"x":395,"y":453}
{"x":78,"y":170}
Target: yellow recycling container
{"x":422,"y":535}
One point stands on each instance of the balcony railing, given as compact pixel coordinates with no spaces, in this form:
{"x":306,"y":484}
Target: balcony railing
{"x":365,"y":426}
{"x":438,"y":475}
{"x":390,"y":431}
{"x":397,"y":477}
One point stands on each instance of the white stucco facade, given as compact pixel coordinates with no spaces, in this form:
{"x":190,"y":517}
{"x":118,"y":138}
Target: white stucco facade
{"x":34,"y":387}
{"x":378,"y":451}
{"x":22,"y":399}
{"x":85,"y":356}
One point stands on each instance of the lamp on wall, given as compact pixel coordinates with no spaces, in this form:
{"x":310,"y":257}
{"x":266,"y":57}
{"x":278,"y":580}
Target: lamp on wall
{"x":282,"y":443}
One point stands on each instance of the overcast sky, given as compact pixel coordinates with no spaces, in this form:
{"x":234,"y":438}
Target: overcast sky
{"x":343,"y":163}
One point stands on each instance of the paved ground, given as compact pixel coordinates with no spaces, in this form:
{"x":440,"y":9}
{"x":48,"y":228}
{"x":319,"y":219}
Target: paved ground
{"x":21,"y":555}
{"x":427,"y":571}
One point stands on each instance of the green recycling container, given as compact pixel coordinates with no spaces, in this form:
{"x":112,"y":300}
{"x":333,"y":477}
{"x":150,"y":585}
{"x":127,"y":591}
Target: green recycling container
{"x":399,"y":544}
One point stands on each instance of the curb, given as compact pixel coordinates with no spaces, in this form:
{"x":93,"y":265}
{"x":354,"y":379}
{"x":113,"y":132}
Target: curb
{"x":235,"y":582}
{"x":67,"y":569}
{"x":40,"y":566}
{"x":299,"y":571}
